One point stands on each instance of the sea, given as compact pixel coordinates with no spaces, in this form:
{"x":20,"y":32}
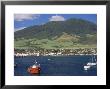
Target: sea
{"x":55,"y":65}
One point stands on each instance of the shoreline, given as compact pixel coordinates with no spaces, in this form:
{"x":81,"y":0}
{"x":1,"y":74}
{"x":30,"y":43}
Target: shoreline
{"x":25,"y":55}
{"x":53,"y":52}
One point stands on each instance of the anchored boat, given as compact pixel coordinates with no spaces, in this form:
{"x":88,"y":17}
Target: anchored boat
{"x":86,"y":67}
{"x":34,"y":69}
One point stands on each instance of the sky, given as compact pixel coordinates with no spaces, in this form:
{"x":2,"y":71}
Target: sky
{"x":25,"y":20}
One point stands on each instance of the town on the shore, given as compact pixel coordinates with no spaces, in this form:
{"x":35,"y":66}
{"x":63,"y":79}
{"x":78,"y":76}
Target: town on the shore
{"x":54,"y":52}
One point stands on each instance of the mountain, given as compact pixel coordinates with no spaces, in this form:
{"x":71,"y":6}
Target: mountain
{"x":72,"y":31}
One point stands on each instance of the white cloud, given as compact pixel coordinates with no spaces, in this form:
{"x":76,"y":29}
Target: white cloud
{"x":16,"y":29}
{"x":21,"y":17}
{"x":57,"y":18}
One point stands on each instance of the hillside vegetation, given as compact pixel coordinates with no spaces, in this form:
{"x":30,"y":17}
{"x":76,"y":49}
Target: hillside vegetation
{"x":72,"y":33}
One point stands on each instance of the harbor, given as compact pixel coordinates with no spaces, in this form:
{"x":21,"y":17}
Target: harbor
{"x":55,"y":65}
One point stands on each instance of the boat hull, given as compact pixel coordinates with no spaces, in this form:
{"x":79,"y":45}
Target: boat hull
{"x":34,"y":70}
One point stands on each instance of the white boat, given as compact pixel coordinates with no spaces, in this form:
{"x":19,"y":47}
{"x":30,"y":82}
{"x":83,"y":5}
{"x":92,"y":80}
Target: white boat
{"x":91,"y":64}
{"x":49,"y":59}
{"x":87,"y":67}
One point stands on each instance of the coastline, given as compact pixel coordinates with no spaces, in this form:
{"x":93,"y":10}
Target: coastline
{"x":53,"y":52}
{"x":26,"y":55}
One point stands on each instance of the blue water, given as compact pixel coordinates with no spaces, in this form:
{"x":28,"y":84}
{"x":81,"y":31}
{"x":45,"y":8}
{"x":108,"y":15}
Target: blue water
{"x":57,"y":66}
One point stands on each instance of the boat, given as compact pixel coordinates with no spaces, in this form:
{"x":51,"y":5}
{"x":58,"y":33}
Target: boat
{"x":49,"y":59}
{"x":87,"y":67}
{"x":91,"y":64}
{"x":34,"y":69}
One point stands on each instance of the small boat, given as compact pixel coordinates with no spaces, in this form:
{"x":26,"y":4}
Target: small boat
{"x":49,"y":59}
{"x":91,"y":64}
{"x":34,"y":69}
{"x":86,"y":67}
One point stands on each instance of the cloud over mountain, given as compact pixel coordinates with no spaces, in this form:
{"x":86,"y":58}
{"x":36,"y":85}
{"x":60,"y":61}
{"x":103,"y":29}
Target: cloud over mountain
{"x":57,"y":18}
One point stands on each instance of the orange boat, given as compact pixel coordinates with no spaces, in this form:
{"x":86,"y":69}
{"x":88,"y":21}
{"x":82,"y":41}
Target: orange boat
{"x":34,"y":69}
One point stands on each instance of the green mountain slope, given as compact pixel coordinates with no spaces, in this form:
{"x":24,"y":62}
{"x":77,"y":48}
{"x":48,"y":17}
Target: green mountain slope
{"x":60,"y":34}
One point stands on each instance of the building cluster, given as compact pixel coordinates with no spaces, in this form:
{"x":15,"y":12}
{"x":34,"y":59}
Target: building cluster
{"x":55,"y":52}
